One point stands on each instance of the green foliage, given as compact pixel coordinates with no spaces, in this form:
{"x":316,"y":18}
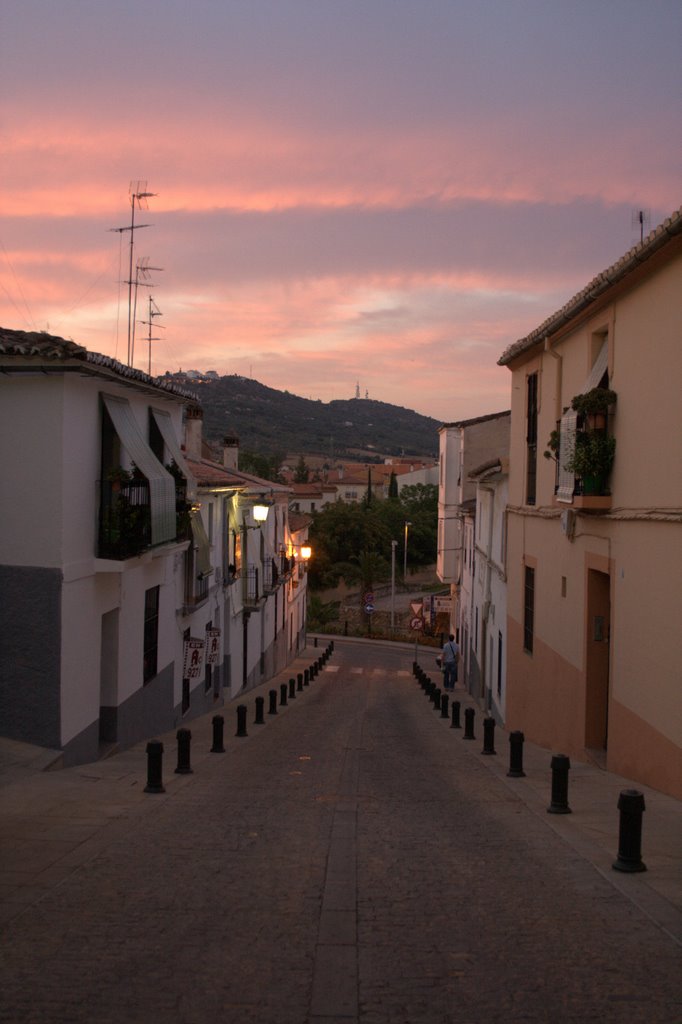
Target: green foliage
{"x":393,"y":487}
{"x":595,"y":401}
{"x":321,"y":613}
{"x":353,"y":541}
{"x":265,"y":466}
{"x":301,"y":473}
{"x":593,"y":454}
{"x":553,"y":445}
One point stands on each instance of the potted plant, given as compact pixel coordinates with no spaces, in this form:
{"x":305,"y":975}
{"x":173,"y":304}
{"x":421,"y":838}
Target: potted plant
{"x":592,"y":459}
{"x":593,"y":406}
{"x":553,"y":446}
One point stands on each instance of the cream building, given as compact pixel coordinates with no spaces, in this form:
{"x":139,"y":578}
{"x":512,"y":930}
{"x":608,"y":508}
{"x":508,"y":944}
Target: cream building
{"x":595,"y":579}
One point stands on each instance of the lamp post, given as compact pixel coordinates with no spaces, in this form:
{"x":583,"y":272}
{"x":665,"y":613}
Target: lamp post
{"x":394,"y":544}
{"x":407,"y":525}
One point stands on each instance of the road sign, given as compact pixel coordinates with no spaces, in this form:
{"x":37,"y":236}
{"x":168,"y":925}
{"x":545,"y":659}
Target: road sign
{"x":369,"y":608}
{"x":369,"y":598}
{"x":417,"y":622}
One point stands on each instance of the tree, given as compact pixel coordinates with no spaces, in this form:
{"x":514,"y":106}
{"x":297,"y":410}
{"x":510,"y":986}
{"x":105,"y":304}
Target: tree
{"x":368,"y":495}
{"x":393,"y":486}
{"x":265,"y":466}
{"x":301,"y":473}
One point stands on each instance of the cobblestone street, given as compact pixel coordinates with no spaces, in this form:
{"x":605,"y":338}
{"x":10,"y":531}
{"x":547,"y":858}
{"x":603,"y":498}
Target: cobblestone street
{"x":350,"y":860}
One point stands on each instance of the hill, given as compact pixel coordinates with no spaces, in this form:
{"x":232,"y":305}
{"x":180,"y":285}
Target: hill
{"x":269,"y":421}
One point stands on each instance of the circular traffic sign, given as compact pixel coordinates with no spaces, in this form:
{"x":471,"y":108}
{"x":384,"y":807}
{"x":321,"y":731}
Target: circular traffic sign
{"x":369,"y":608}
{"x":417,"y":622}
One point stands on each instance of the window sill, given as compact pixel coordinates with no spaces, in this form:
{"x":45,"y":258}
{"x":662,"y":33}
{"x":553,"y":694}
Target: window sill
{"x":587,"y":502}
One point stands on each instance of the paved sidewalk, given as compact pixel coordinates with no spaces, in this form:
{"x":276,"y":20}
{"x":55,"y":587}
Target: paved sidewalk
{"x":52,"y":822}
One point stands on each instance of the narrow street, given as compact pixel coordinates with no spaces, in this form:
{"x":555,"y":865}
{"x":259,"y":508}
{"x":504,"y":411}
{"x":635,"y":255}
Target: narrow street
{"x":350,"y":860}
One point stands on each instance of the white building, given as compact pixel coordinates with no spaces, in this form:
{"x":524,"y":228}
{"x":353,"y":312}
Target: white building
{"x":113,"y":557}
{"x":465,"y":447}
{"x":486,"y":570}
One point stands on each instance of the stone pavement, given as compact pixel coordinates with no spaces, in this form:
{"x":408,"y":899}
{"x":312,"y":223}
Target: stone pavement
{"x":351,"y":860}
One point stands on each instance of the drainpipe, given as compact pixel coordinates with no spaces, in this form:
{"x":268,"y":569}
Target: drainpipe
{"x":559,"y":409}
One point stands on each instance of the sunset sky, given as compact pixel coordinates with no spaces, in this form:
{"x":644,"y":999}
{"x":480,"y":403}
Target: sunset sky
{"x":386,"y":192}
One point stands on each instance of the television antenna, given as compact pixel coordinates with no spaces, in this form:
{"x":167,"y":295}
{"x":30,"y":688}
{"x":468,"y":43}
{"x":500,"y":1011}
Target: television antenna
{"x":142,"y":270}
{"x":138,"y":195}
{"x":641,"y":219}
{"x":154,"y":311}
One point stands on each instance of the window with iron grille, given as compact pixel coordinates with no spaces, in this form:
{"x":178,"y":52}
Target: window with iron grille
{"x":528,"y":608}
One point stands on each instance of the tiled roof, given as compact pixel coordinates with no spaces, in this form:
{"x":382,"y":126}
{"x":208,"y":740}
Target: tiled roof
{"x":38,"y":348}
{"x":601,"y":283}
{"x":476,"y":419}
{"x":212,"y":474}
{"x":299,"y":521}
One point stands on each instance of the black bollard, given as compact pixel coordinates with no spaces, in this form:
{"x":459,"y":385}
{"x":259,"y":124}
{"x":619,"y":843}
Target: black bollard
{"x":444,"y":701}
{"x":260,"y":705}
{"x":469,"y":715}
{"x":154,"y":768}
{"x":184,"y":738}
{"x":299,"y":680}
{"x":415,"y":668}
{"x":272,"y":710}
{"x":456,"y":724}
{"x":283,"y":694}
{"x":315,"y":641}
{"x":489,"y":736}
{"x":306,"y":677}
{"x":292,"y":689}
{"x":516,"y":771}
{"x":429,"y":689}
{"x":436,"y":699}
{"x":560,"y":767}
{"x":331,"y":646}
{"x":631,"y":807}
{"x":218,"y":727}
{"x":241,"y":720}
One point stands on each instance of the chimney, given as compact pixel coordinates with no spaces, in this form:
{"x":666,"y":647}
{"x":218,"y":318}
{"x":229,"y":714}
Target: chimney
{"x":193,"y":424}
{"x":231,"y":452}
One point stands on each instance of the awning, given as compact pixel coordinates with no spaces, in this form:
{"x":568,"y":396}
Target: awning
{"x":202,"y":548}
{"x":568,"y":428}
{"x":165,"y":425}
{"x":161,"y":483}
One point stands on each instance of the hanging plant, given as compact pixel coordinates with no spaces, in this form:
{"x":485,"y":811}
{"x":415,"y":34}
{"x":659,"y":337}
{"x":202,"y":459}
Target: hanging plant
{"x":594,"y":402}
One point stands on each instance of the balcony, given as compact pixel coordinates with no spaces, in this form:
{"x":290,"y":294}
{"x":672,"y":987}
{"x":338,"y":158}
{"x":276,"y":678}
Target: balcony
{"x":253,"y":594}
{"x":125,"y":528}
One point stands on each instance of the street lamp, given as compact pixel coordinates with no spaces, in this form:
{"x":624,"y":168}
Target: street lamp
{"x":407,"y":525}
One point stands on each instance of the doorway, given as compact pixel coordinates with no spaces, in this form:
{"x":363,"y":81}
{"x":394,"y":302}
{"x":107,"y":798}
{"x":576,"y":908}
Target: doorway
{"x":108,"y":678}
{"x":597,"y":660}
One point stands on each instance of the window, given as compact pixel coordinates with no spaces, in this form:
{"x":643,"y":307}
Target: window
{"x":151,"y":633}
{"x":531,"y":437}
{"x":528,"y":608}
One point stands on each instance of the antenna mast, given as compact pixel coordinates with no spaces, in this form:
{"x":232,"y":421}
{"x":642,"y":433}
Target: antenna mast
{"x":141,"y":278}
{"x":154,"y":311}
{"x":138,"y":194}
